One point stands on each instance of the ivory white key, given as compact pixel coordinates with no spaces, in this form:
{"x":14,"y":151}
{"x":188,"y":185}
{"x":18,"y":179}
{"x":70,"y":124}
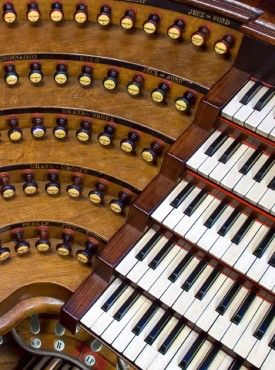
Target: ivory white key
{"x":272,"y":211}
{"x":130,"y":260}
{"x":199,"y":156}
{"x":106,"y":318}
{"x":184,"y":348}
{"x":161,"y":361}
{"x":200,"y":355}
{"x":175,"y":289}
{"x":160,"y":286}
{"x":235,"y":103}
{"x":115,"y":327}
{"x":267,"y":125}
{"x":234,"y":332}
{"x":150,"y":352}
{"x":269,"y":361}
{"x":225,"y":364}
{"x":247,"y":340}
{"x":247,"y":258}
{"x":198,"y":306}
{"x":222,"y":322}
{"x":186,"y":222}
{"x":186,"y":298}
{"x":259,"y":188}
{"x":246,"y":110}
{"x":210,"y":314}
{"x":216,"y":363}
{"x":165,"y":207}
{"x":95,"y":311}
{"x":261,"y":348}
{"x":126,"y":335}
{"x":177,"y":214}
{"x":211,"y":235}
{"x":150,"y":276}
{"x":234,"y":251}
{"x":223,"y":243}
{"x":246,"y":182}
{"x":220,"y":171}
{"x":255,"y":119}
{"x":198,"y":228}
{"x":234,"y":175}
{"x":267,"y":201}
{"x":268,"y":279}
{"x":271,"y":135}
{"x":141,"y":267}
{"x":137,"y":344}
{"x":260,"y":265}
{"x":211,"y":162}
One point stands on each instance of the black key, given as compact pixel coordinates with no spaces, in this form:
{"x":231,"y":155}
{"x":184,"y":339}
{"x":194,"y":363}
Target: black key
{"x":215,"y":215}
{"x":217,"y":143}
{"x":171,"y":337}
{"x":195,"y":203}
{"x":207,"y":284}
{"x":241,"y":311}
{"x":271,"y":185}
{"x":114,"y":297}
{"x":230,"y":151}
{"x":145,"y":319}
{"x":127,"y":305}
{"x":161,"y":254}
{"x":272,"y":342}
{"x":271,"y":262}
{"x":251,"y":92}
{"x":193,"y":276}
{"x":265,"y":242}
{"x":229,"y":222}
{"x":182,"y":195}
{"x":250,"y":162}
{"x":264,"y":324}
{"x":151,"y":337}
{"x":264,"y":99}
{"x":235,"y":364}
{"x":208,"y":359}
{"x":264,"y":169}
{"x":228,"y":298}
{"x":237,"y":238}
{"x":191,"y":353}
{"x":181,"y":266}
{"x":148,"y":247}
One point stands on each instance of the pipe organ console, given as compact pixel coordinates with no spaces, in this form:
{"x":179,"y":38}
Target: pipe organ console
{"x":137,"y":174}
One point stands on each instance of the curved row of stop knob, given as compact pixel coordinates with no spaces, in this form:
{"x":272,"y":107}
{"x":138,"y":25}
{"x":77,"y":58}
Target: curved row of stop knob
{"x":127,"y":22}
{"x":84,"y":134}
{"x":44,"y":245}
{"x":74,"y":190}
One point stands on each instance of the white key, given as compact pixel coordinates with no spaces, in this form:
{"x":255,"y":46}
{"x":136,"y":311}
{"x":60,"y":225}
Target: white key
{"x":210,"y":314}
{"x":199,"y":156}
{"x":161,"y":361}
{"x":222,"y":322}
{"x":234,"y":105}
{"x":268,"y":279}
{"x":234,"y":175}
{"x":184,"y":348}
{"x":137,"y":344}
{"x":223,"y":243}
{"x":149,"y":278}
{"x":267,"y":201}
{"x":187,"y":222}
{"x":211,"y":162}
{"x":198,"y":306}
{"x":215,"y":364}
{"x":247,"y":340}
{"x":116,"y":327}
{"x":269,"y":361}
{"x":126,"y":335}
{"x":221,"y":170}
{"x":255,"y":119}
{"x":246,"y":182}
{"x":234,"y":332}
{"x":246,"y":110}
{"x":267,"y":125}
{"x":165,"y":207}
{"x":129,"y":261}
{"x":175,"y":289}
{"x":159,"y":287}
{"x":206,"y":346}
{"x":271,"y":135}
{"x":261,"y":348}
{"x":211,"y":235}
{"x":95,"y":311}
{"x":225,"y":364}
{"x":259,"y":188}
{"x":177,"y":214}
